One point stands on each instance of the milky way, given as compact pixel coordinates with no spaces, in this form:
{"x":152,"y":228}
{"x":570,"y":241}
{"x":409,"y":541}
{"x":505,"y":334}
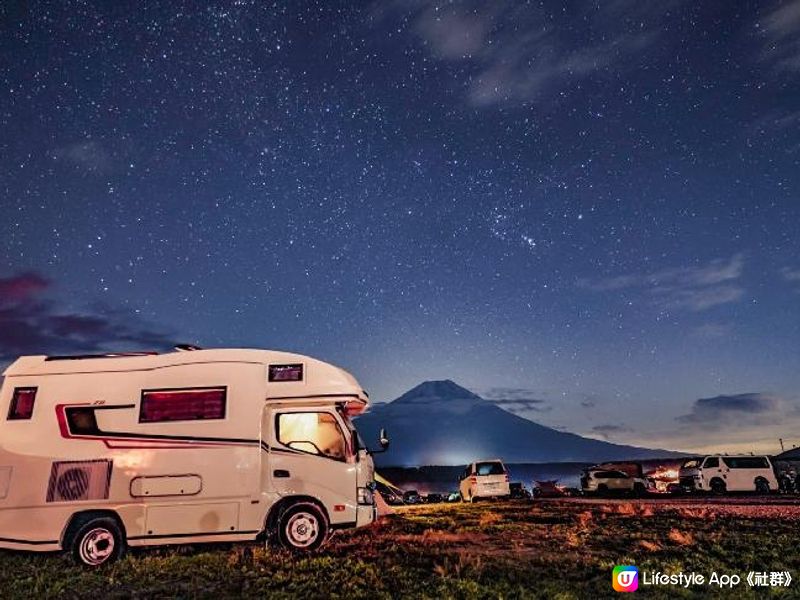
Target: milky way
{"x":594,"y":203}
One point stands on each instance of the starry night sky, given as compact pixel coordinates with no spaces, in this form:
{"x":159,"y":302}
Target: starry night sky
{"x":588,"y":212}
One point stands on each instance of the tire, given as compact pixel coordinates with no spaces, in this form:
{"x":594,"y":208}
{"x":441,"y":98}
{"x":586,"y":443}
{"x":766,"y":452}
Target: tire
{"x":762,"y":486}
{"x":602,"y":490}
{"x":302,"y":527}
{"x":96,"y":540}
{"x":639,"y":490}
{"x":718,"y":486}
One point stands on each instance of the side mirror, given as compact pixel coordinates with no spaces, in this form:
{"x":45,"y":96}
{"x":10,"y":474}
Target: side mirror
{"x":384,"y":440}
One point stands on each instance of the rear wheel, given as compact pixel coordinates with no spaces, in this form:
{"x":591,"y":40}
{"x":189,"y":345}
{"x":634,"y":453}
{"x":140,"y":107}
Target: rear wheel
{"x":639,"y":490}
{"x":762,"y":486}
{"x":302,"y":527}
{"x":95,"y":541}
{"x":602,"y":490}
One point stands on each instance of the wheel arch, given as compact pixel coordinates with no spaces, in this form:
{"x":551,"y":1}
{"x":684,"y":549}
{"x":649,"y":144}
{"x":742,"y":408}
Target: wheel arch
{"x":717,"y":479}
{"x":284,"y":503}
{"x":73,"y":523}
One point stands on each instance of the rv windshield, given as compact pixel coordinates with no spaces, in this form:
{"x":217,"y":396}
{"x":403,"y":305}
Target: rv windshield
{"x":358,"y":443}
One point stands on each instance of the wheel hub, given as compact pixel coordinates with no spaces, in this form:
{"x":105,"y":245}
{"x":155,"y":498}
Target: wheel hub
{"x":302,"y":529}
{"x":97,"y":546}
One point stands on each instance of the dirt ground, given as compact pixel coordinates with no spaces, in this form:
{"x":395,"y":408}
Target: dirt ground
{"x":537,"y":549}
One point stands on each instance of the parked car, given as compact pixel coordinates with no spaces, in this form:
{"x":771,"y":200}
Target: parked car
{"x":433,"y":498}
{"x":484,"y":479}
{"x":720,"y":474}
{"x":411,"y":497}
{"x":391,"y":497}
{"x":518,"y":491}
{"x":453,"y":497}
{"x":605,"y":482}
{"x":549,"y":489}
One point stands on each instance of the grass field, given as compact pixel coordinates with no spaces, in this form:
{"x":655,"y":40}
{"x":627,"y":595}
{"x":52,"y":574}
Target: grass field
{"x":492,"y":550}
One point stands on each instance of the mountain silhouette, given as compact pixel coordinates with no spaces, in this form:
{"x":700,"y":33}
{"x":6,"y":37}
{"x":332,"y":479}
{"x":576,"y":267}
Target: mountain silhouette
{"x":442,"y":423}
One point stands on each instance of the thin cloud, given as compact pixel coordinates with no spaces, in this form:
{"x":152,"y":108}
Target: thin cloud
{"x":31,"y":323}
{"x":792,"y":276}
{"x":733,"y":410}
{"x":521,"y":53}
{"x":609,"y":430}
{"x":781,"y":37}
{"x":695,"y":288}
{"x":88,"y":155}
{"x":517,"y":400}
{"x":712,"y":331}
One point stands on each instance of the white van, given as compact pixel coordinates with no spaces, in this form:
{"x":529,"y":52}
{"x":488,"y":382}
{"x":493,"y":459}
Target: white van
{"x":101,"y":452}
{"x":721,"y":473}
{"x":484,"y":479}
{"x":602,"y":482}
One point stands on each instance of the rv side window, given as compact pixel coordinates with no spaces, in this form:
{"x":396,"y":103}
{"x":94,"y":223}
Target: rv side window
{"x":711,"y":463}
{"x":22,"y":404}
{"x":312,"y":433}
{"x":182,"y":405}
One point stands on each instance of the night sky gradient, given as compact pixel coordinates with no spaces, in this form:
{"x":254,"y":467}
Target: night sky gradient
{"x":587,"y":211}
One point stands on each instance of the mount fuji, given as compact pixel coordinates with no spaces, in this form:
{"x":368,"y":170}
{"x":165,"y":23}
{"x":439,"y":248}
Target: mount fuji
{"x":442,"y":423}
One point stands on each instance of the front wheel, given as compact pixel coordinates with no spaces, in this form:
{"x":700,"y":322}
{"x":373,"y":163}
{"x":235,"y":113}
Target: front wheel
{"x":96,"y":541}
{"x":718,"y":487}
{"x":302,"y":528}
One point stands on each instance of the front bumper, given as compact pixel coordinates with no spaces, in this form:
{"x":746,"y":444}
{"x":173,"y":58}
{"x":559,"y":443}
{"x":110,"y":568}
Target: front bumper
{"x":366,"y":514}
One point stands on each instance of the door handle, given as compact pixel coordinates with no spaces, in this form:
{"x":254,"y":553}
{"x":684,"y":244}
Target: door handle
{"x":280,"y":473}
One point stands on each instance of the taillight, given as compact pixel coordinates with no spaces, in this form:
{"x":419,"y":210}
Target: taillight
{"x":473,"y":479}
{"x":506,"y":477}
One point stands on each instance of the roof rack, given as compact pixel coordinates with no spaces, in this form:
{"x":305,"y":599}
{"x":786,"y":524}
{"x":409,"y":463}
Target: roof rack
{"x":107,"y":355}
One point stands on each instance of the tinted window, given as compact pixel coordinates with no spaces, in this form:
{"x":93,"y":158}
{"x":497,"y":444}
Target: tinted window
{"x":746,"y":462}
{"x":712,"y":463}
{"x":22,"y":403}
{"x":490,"y":468}
{"x":285,"y":373}
{"x":312,"y":433}
{"x":182,"y":405}
{"x":610,"y":475}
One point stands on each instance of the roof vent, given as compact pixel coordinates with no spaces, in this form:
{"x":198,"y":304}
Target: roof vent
{"x":186,"y":347}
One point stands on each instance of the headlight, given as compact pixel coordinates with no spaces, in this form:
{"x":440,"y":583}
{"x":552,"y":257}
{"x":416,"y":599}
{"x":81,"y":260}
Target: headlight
{"x":365,"y":496}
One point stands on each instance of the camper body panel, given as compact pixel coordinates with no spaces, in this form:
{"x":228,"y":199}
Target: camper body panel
{"x":88,"y":445}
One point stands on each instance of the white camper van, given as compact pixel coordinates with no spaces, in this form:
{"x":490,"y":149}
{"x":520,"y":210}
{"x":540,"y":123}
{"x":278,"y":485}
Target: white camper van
{"x":102,"y":452}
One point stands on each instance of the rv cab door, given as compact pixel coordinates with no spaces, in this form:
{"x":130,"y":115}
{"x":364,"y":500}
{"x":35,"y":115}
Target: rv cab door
{"x":310,"y":454}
